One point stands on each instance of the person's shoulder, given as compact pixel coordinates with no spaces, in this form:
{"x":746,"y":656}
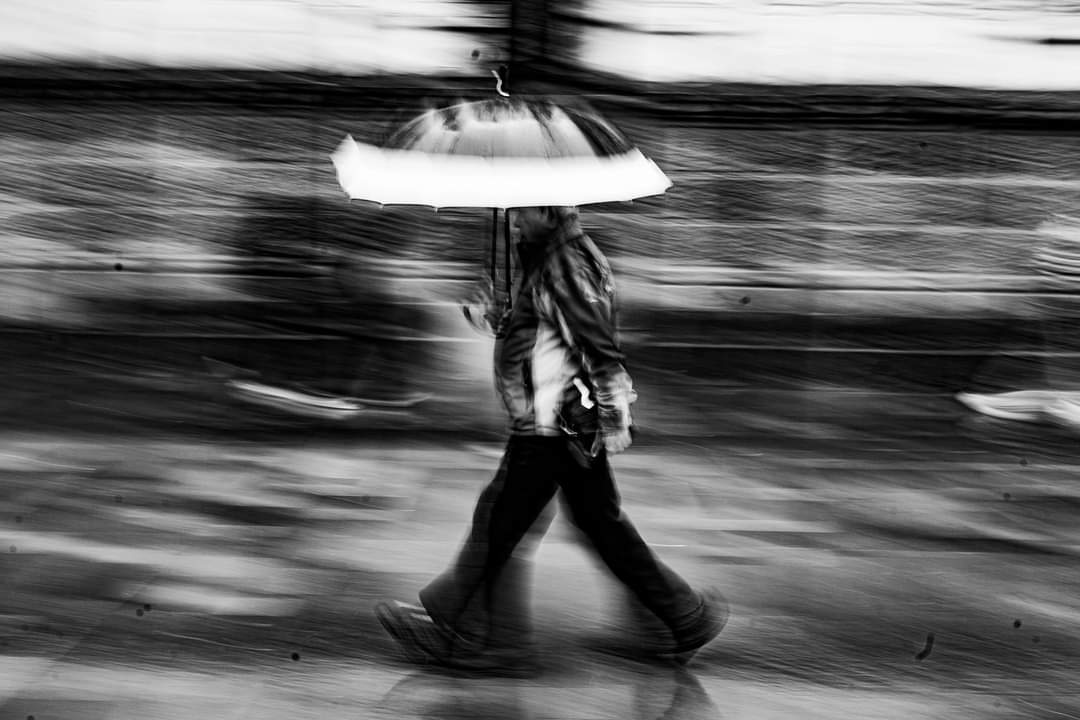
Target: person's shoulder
{"x":566,"y":261}
{"x":581,"y":269}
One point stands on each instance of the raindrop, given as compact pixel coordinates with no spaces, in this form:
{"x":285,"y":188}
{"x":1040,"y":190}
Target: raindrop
{"x":119,"y":499}
{"x":139,"y":612}
{"x":296,"y":657}
{"x":1017,"y":623}
{"x":1035,"y":639}
{"x":745,"y":300}
{"x":922,"y":144}
{"x":12,"y":549}
{"x":119,"y":266}
{"x":147,"y":607}
{"x":1023,"y":461}
{"x":1007,"y":496}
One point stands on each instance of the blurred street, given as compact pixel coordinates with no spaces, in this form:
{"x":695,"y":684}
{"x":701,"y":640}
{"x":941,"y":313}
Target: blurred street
{"x":178,"y":578}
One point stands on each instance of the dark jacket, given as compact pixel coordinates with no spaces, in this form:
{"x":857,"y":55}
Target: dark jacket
{"x":562,"y":326}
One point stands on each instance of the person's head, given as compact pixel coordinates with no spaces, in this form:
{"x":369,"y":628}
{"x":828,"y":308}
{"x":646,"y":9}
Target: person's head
{"x":538,"y":224}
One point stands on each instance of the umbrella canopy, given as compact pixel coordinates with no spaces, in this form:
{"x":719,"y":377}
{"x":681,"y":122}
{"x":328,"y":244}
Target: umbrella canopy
{"x":499,"y":153}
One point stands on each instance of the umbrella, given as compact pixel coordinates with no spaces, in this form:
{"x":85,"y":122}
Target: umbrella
{"x":499,"y":153}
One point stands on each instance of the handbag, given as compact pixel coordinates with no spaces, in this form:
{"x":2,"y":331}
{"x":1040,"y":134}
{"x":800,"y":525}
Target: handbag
{"x":579,"y":420}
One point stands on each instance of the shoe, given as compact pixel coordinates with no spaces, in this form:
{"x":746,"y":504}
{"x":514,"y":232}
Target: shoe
{"x":427,"y":642}
{"x":714,"y":616}
{"x":647,"y":648}
{"x":396,"y":618}
{"x":452,"y":652}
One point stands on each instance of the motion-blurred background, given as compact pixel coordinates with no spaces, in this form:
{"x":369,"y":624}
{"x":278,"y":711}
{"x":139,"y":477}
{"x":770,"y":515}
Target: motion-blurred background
{"x":236,"y":408}
{"x":857,"y":190}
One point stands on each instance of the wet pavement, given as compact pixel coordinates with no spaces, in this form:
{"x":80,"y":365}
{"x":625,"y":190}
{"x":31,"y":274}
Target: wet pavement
{"x":158,"y":577}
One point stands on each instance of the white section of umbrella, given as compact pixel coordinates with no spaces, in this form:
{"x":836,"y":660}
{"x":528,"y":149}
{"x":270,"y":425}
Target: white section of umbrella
{"x":477,"y":161}
{"x":411,"y":177}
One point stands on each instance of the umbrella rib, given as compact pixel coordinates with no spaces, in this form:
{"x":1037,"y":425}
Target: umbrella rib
{"x":544,"y":131}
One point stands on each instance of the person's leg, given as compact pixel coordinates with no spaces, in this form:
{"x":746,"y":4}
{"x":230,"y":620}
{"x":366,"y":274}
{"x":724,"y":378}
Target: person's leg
{"x":500,"y":614}
{"x":483,"y":595}
{"x":639,"y":629}
{"x":594,"y":504}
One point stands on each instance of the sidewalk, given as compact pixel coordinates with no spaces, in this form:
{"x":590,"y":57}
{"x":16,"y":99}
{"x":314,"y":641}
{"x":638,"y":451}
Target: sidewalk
{"x":172,"y":579}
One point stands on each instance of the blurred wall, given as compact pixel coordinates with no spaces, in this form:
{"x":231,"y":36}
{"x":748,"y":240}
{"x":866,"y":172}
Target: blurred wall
{"x":178,"y":185}
{"x":972,"y":43}
{"x":114,"y":194}
{"x":138,"y":204}
{"x":356,"y":36}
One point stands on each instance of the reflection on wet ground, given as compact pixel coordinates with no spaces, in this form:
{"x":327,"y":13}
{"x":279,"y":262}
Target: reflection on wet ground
{"x":178,"y":578}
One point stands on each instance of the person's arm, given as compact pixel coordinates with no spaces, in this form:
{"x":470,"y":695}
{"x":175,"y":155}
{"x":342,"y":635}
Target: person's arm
{"x":585,"y":310}
{"x":483,"y":311}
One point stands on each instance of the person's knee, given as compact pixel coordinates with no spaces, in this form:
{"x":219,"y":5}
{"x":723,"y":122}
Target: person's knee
{"x":589,"y":519}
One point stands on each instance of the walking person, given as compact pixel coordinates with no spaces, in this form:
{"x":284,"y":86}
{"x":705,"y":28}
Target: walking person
{"x":561,"y":374}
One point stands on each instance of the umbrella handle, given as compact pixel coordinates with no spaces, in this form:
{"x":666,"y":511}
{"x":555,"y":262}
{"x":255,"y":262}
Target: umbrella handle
{"x":494,"y":266}
{"x":508,"y":269}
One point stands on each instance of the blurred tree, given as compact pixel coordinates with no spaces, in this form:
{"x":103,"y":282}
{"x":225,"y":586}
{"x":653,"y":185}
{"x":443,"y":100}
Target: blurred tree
{"x":534,"y":38}
{"x":545,"y":37}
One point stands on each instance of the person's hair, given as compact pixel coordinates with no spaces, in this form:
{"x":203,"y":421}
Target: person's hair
{"x":553,"y":220}
{"x":556,"y":215}
{"x":563,"y":212}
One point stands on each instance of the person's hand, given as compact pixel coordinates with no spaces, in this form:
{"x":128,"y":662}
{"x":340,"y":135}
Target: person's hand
{"x":617,"y":442}
{"x":481,"y":306}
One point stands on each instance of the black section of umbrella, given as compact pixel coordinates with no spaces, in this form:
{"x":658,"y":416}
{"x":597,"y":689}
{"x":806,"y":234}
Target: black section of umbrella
{"x":510,"y":127}
{"x":513,"y":127}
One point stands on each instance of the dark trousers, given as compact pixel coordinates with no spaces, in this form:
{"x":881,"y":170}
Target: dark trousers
{"x":483,"y":594}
